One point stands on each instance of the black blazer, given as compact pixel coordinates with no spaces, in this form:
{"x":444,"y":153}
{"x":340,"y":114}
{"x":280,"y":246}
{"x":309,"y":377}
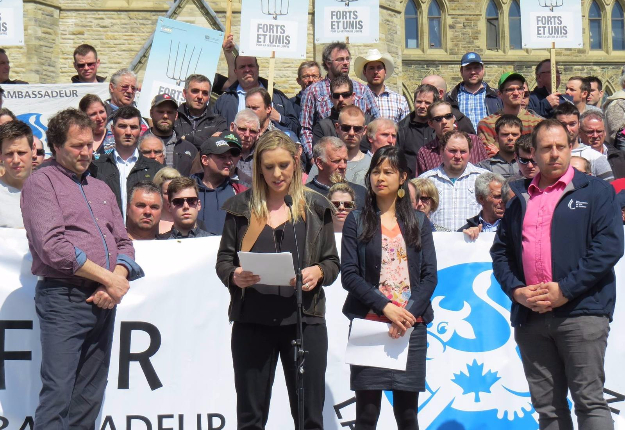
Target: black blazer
{"x":361,"y":279}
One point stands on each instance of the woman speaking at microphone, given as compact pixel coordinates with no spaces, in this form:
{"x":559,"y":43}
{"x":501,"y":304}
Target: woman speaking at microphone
{"x":389,"y":270}
{"x":264,"y":317}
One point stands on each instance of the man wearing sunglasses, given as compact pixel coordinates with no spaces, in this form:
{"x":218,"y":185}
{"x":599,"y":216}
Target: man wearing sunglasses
{"x":442,"y":120}
{"x":86,"y":63}
{"x":123,"y":89}
{"x":16,"y":156}
{"x":523,"y":154}
{"x":351,"y":129}
{"x":38,"y":152}
{"x":184,"y":206}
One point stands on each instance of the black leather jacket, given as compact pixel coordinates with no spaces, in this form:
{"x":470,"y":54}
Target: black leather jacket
{"x":319,"y":249}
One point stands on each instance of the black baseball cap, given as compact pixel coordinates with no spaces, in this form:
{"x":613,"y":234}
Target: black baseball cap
{"x":217,"y":145}
{"x":162,"y":98}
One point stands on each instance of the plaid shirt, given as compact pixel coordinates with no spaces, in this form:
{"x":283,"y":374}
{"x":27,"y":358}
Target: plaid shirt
{"x":392,"y":105}
{"x":317,"y":104}
{"x":473,"y":105}
{"x":457,"y":200}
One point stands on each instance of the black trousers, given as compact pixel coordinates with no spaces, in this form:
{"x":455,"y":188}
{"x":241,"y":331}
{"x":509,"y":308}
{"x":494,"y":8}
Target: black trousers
{"x":255,"y":352}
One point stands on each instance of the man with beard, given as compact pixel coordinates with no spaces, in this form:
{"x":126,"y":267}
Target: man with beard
{"x":145,"y":205}
{"x":508,"y":129}
{"x":164,"y":112}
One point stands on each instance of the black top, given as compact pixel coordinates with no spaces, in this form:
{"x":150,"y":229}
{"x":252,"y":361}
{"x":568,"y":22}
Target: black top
{"x":269,"y":304}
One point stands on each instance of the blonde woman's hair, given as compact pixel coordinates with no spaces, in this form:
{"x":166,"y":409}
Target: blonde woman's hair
{"x":268,"y":142}
{"x":165,"y":174}
{"x":427,"y":188}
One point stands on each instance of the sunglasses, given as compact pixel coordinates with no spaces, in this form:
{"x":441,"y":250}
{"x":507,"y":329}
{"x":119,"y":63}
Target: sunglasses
{"x":180,"y":201}
{"x":442,"y":117}
{"x":345,"y":128}
{"x":40,"y":152}
{"x":83,"y":65}
{"x":425,"y":199}
{"x":524,"y":161}
{"x":346,"y":204}
{"x":345,"y":95}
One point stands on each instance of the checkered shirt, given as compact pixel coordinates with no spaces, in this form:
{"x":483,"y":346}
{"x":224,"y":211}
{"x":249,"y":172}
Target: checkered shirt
{"x":392,"y":105}
{"x":317,"y":104}
{"x":473,"y":105}
{"x":457,"y":201}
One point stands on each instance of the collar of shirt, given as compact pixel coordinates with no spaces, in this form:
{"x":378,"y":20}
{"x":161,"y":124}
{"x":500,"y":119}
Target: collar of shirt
{"x":488,"y":227}
{"x":192,"y":233}
{"x":132,"y":159}
{"x":464,"y":90}
{"x":67,"y":172}
{"x":384,"y":92}
{"x":319,"y":184}
{"x":440,"y":171}
{"x":534,"y":190}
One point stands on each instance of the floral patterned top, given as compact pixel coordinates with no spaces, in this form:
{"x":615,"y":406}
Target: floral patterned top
{"x":394,"y":275}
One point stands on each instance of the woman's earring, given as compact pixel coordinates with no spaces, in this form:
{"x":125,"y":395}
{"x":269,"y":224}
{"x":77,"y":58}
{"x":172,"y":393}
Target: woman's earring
{"x":401,"y":193}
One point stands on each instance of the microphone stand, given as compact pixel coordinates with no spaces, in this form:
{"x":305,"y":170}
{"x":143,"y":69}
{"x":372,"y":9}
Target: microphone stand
{"x":298,"y":343}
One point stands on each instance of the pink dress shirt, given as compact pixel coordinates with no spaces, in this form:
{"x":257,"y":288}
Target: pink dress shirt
{"x":537,"y":228}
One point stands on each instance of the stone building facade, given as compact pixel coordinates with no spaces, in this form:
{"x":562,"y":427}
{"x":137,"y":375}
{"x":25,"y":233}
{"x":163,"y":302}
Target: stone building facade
{"x":422,"y":37}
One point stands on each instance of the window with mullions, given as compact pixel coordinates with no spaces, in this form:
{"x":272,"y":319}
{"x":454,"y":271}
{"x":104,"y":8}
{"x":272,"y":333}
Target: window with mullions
{"x":618,"y":28}
{"x":435,"y":36}
{"x":514,"y":18}
{"x":594,"y":25}
{"x":492,"y":27}
{"x":411,"y":25}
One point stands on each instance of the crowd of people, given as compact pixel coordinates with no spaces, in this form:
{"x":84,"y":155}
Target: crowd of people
{"x":532,"y":166}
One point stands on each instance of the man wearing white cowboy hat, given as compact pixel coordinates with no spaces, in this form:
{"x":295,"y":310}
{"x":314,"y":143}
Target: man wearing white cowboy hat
{"x":374,"y":68}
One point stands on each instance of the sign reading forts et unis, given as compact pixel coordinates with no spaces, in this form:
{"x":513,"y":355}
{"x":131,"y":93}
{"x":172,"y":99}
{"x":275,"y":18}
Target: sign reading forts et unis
{"x":11,"y":22}
{"x":279,"y":27}
{"x":178,"y":50}
{"x":356,"y":19}
{"x":547,"y":21}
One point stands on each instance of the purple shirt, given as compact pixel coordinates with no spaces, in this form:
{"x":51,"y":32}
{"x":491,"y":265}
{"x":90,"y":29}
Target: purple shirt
{"x":69,"y":220}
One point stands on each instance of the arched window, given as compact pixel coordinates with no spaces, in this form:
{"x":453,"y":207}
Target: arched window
{"x":618,"y":28}
{"x":434,"y":25}
{"x":514,"y":17}
{"x":594,"y":24}
{"x":492,"y":27}
{"x":411,"y":25}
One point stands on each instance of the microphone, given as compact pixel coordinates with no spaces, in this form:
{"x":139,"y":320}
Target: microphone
{"x":288,"y":200}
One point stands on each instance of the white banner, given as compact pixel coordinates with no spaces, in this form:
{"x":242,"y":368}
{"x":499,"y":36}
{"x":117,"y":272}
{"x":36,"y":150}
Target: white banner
{"x":547,"y":21}
{"x":274,"y":26}
{"x":171,"y":366}
{"x":35,"y":104}
{"x":178,"y":50}
{"x":12,"y":23}
{"x":337,"y":19}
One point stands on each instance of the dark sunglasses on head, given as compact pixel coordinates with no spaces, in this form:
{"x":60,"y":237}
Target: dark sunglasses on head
{"x":346,"y":204}
{"x":345,"y":95}
{"x":179,"y":201}
{"x":40,"y":152}
{"x":525,"y":161}
{"x":442,"y":117}
{"x":345,"y":128}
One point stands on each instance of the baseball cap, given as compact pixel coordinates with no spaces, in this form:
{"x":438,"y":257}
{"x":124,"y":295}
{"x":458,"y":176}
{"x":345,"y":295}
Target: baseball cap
{"x":230,"y":137}
{"x":162,"y":98}
{"x":470,"y":57}
{"x":217,"y":145}
{"x":509,"y":76}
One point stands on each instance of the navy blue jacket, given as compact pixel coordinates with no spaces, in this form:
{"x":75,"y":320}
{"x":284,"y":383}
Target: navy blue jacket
{"x":211,"y":213}
{"x":362,"y":279}
{"x":227,"y":105}
{"x":540,"y":105}
{"x":586,"y":243}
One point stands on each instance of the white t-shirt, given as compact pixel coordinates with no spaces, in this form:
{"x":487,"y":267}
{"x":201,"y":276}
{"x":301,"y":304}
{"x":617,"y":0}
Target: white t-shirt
{"x":10,"y":211}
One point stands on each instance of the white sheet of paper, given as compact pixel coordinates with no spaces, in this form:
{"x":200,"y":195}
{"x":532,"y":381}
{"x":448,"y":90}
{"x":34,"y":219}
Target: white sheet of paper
{"x":370,"y":345}
{"x":273,"y":268}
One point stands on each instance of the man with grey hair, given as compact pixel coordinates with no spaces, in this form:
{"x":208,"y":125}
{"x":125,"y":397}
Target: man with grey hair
{"x":151,"y":146}
{"x":246,"y":126}
{"x":123,"y":89}
{"x":330,"y":158}
{"x":592,"y":133}
{"x":581,"y":164}
{"x":614,"y":108}
{"x":308,"y":73}
{"x":195,"y":122}
{"x":488,"y":193}
{"x":381,"y":132}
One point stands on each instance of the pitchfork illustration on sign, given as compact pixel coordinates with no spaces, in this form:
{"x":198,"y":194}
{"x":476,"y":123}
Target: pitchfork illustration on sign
{"x":347,"y":2}
{"x":266,"y":8}
{"x":175,"y":68}
{"x":550,"y":3}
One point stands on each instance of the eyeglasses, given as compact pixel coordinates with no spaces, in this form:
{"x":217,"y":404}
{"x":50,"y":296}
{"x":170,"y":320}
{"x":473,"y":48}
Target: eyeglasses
{"x":83,"y":65}
{"x":152,"y":151}
{"x":244,"y":130}
{"x":442,"y":117}
{"x":40,"y":152}
{"x":345,"y":128}
{"x":524,"y":161}
{"x":310,"y":77}
{"x":345,"y":95}
{"x":128,"y":88}
{"x":348,"y":205}
{"x":180,"y":201}
{"x":425,"y":199}
{"x":514,"y":90}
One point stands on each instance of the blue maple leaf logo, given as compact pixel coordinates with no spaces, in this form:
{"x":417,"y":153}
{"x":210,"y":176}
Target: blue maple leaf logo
{"x":475,"y":380}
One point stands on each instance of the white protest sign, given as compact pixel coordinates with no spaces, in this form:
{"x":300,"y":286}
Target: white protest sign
{"x":11,"y":23}
{"x":357,"y":19}
{"x":547,"y":21}
{"x":271,"y":26}
{"x":178,"y":50}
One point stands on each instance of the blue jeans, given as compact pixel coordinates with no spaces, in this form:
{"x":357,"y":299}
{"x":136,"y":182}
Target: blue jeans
{"x":561,"y":354}
{"x":76,"y":340}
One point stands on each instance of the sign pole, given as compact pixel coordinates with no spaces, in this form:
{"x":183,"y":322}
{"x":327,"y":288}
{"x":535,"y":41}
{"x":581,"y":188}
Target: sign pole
{"x":228,"y":19}
{"x":272,"y":66}
{"x":552,"y":59}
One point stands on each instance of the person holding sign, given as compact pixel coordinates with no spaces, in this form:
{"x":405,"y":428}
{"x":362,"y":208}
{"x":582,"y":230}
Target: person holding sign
{"x":264,"y":316}
{"x":389,"y":270}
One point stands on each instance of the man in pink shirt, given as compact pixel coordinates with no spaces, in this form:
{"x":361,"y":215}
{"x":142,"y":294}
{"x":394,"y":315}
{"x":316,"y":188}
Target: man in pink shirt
{"x":554,"y":256}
